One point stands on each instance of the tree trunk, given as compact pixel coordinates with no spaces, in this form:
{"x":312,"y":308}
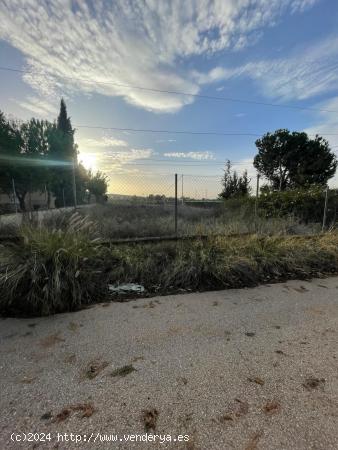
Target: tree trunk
{"x":21,"y":198}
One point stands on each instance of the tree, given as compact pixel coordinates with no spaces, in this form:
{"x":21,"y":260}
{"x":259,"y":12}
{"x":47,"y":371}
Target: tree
{"x":23,"y":148}
{"x":98,"y":185}
{"x":233,"y":184}
{"x":10,"y":150}
{"x":290,"y":160}
{"x":63,"y":153}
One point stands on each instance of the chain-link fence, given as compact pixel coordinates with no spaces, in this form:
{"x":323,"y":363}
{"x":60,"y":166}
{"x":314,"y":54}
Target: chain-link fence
{"x":159,"y":205}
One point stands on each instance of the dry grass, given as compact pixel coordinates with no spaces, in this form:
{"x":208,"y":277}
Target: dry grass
{"x":62,"y":269}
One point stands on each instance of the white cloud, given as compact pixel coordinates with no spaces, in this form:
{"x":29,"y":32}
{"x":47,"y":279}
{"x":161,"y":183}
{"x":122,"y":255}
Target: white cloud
{"x":131,"y":154}
{"x":133,"y":42}
{"x":301,"y":5}
{"x":191,"y":155}
{"x":307,"y":72}
{"x":37,"y":105}
{"x":105,"y":141}
{"x":110,"y":155}
{"x":326,"y":125}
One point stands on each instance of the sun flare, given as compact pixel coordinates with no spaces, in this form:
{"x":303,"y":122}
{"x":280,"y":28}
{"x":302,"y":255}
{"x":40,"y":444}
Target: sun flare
{"x":88,"y":161}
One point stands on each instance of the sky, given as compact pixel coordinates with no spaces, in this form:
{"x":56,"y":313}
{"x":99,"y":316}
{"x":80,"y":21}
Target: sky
{"x":245,"y":67}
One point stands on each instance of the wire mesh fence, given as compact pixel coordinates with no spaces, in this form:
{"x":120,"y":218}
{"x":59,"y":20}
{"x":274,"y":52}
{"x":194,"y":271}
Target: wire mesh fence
{"x":158,"y":205}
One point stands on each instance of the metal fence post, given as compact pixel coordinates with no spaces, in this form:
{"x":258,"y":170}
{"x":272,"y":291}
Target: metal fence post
{"x":182,"y":190}
{"x":176,"y":203}
{"x":256,"y":200}
{"x":14,"y":196}
{"x":74,"y":184}
{"x":325,"y":208}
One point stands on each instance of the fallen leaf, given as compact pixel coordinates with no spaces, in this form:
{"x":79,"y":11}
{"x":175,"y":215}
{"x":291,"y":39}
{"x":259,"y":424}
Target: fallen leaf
{"x":256,"y":380}
{"x":271,"y":407}
{"x":149,"y":418}
{"x":313,"y":383}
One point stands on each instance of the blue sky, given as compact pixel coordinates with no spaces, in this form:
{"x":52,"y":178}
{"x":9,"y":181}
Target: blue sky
{"x":270,"y":51}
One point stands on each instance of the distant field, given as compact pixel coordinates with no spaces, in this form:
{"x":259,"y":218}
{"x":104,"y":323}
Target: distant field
{"x":126,"y":219}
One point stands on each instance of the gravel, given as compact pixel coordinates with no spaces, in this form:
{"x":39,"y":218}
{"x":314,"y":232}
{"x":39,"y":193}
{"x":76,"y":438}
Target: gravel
{"x":238,"y":369}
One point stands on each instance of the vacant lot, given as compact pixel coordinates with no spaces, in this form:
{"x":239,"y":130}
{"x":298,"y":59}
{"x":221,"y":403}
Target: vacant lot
{"x":242,"y":369}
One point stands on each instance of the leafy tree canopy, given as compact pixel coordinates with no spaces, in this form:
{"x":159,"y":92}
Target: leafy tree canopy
{"x":290,"y":160}
{"x":98,"y":185}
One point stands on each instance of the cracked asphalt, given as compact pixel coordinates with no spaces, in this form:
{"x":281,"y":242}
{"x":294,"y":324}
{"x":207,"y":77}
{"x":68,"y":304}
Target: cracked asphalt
{"x":237,"y":369}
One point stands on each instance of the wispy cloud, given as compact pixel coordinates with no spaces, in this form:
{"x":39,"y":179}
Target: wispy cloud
{"x":326,"y":124}
{"x":37,"y":105}
{"x":191,"y":155}
{"x":109,"y":45}
{"x":105,"y":141}
{"x":110,"y":154}
{"x":305,"y":73}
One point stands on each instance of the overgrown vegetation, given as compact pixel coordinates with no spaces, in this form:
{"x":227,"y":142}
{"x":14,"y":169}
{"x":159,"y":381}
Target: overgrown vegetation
{"x":52,"y":270}
{"x":65,"y":268}
{"x":305,"y":205}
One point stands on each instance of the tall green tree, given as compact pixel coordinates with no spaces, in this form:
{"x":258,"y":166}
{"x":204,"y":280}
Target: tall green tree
{"x":64,"y":151}
{"x":290,"y":160}
{"x":234,"y":185}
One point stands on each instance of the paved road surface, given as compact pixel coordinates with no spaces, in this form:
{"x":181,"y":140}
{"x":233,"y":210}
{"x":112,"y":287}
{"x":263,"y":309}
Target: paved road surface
{"x":238,"y":369}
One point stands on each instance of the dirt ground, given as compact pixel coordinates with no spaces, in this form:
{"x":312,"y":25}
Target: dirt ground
{"x":238,"y":369}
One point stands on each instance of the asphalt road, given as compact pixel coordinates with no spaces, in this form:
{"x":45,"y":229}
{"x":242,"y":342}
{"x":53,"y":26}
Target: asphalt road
{"x":238,"y":369}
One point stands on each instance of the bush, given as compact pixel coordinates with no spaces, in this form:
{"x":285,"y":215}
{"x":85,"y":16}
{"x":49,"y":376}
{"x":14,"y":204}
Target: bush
{"x":306,"y":205}
{"x":53,"y":270}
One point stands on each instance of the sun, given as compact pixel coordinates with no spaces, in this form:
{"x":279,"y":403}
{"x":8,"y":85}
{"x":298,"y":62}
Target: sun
{"x":88,"y":161}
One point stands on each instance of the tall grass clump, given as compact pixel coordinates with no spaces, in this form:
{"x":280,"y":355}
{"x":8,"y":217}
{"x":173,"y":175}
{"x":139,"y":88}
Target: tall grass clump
{"x":225,"y":262}
{"x":52,"y":269}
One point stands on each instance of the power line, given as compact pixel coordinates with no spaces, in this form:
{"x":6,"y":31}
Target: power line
{"x":213,"y":133}
{"x":187,"y":132}
{"x":147,"y":130}
{"x":189,"y":162}
{"x":189,"y":94}
{"x":175,"y":164}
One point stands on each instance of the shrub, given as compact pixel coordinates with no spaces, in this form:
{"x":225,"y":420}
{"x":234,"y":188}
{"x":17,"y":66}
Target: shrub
{"x":53,"y":270}
{"x":307,"y":205}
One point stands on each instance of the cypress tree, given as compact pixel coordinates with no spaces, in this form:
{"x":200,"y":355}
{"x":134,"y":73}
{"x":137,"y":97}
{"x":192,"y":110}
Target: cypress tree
{"x":64,"y":150}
